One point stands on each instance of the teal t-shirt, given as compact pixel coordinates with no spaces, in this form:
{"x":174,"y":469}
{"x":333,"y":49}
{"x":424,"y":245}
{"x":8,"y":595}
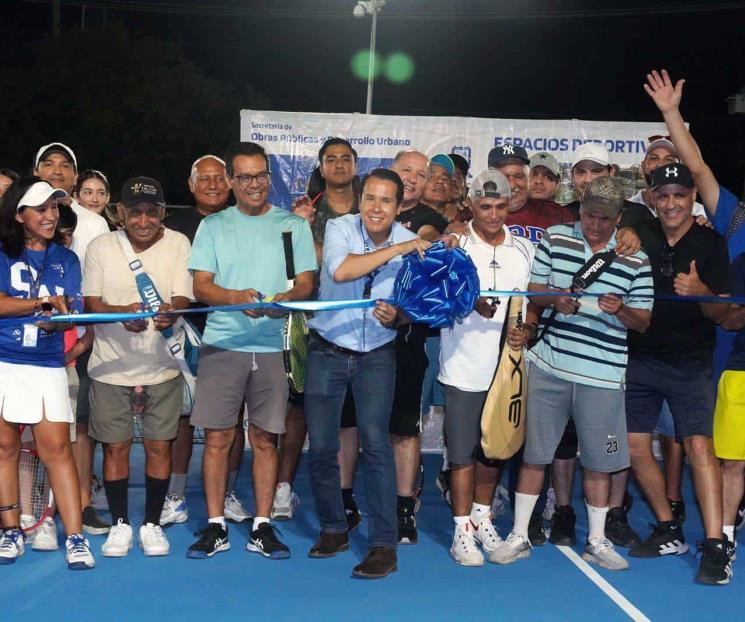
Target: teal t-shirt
{"x":246,"y":252}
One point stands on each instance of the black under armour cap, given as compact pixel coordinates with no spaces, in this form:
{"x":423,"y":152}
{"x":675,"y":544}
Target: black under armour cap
{"x":677,"y":174}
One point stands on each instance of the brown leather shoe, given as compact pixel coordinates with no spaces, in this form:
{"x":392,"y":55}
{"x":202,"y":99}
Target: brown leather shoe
{"x":329,"y":544}
{"x":379,"y":563}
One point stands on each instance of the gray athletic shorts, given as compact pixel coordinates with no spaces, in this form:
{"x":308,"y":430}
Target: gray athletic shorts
{"x":462,"y":423}
{"x":226,"y":377}
{"x":599,"y":416}
{"x":112,"y":421}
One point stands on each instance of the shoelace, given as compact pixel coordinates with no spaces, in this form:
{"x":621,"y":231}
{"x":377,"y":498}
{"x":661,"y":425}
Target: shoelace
{"x":9,"y":539}
{"x":77,"y":544}
{"x":605,"y":544}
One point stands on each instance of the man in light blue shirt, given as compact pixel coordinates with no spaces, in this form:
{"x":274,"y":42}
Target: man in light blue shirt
{"x":354,"y":349}
{"x":236,"y":258}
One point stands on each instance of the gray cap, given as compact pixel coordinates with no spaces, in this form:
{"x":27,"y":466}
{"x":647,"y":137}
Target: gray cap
{"x":543,"y":158}
{"x":491,"y":184}
{"x":603,"y":194}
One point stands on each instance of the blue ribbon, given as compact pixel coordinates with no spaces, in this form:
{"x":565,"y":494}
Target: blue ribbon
{"x":438,"y":289}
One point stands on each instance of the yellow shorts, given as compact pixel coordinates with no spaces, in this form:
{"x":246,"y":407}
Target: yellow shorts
{"x":729,"y":417}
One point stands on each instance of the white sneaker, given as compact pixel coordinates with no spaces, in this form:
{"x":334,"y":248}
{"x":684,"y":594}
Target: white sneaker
{"x":11,"y":546}
{"x":153,"y":541}
{"x":600,"y":551}
{"x":78,"y":555}
{"x":486,"y":534}
{"x":234,"y":509}
{"x":174,"y":510}
{"x":98,"y":495}
{"x":26,"y":522}
{"x":45,"y":537}
{"x":513,"y":548}
{"x":464,"y":550}
{"x":285,"y":502}
{"x":119,"y":540}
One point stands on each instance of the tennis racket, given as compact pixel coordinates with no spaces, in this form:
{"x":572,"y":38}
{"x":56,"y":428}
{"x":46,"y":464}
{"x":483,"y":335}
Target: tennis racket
{"x":36,"y":497}
{"x":296,"y":334}
{"x":503,"y":416}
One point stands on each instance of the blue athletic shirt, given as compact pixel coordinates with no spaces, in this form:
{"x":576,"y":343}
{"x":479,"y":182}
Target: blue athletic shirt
{"x":54,"y":272}
{"x":736,"y":360}
{"x":736,"y":244}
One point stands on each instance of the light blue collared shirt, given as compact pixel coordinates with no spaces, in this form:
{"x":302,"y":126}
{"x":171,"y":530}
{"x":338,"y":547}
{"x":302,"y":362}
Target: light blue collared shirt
{"x":355,"y":329}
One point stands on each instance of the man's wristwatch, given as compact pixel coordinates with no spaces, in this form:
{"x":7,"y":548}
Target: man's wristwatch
{"x":46,"y":305}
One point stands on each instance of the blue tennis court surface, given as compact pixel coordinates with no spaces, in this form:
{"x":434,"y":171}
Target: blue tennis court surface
{"x":238,"y":585}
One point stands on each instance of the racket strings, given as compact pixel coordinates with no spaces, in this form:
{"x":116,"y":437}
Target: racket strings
{"x":34,"y":486}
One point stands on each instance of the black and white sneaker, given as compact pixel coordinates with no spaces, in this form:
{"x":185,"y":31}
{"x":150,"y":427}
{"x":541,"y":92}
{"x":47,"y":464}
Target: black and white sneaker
{"x":618,"y":530}
{"x":563,"y":526}
{"x":536,"y":534}
{"x":666,"y":539}
{"x":93,"y":524}
{"x":740,"y":514}
{"x":679,"y":511}
{"x":407,"y":533}
{"x":212,"y":539}
{"x":265,"y":542}
{"x":715,"y":567}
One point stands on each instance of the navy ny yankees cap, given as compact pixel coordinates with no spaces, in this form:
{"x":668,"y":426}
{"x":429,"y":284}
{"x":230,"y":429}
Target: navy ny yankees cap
{"x":677,"y":174}
{"x":507,"y":154}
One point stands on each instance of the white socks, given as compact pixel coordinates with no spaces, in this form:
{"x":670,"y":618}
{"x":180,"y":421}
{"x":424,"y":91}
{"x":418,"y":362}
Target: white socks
{"x":220,"y":520}
{"x":596,"y":522}
{"x":257,"y":521}
{"x":524,"y":505}
{"x":478,"y":511}
{"x":729,"y":531}
{"x":177,"y":484}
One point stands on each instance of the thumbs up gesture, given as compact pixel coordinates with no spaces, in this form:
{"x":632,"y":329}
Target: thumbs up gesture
{"x":690,"y":284}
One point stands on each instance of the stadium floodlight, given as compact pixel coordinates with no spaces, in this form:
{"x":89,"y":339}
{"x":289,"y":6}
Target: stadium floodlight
{"x":362,"y":8}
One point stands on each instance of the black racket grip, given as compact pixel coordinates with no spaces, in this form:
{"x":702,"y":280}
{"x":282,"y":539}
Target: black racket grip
{"x":289,"y":255}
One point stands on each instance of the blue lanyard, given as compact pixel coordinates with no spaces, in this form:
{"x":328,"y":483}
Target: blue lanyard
{"x":35,"y":285}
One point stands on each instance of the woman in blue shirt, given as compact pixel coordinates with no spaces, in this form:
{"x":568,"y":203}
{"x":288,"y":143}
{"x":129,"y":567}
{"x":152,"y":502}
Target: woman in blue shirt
{"x":37,"y":277}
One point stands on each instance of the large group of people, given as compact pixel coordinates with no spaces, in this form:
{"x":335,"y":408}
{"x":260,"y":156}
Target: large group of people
{"x":607,"y":371}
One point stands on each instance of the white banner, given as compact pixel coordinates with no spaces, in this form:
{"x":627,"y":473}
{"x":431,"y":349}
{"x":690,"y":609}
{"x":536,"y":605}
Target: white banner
{"x":292,"y":140}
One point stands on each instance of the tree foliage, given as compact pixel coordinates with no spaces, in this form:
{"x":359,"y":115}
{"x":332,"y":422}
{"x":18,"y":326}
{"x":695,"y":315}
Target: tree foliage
{"x":128,"y":104}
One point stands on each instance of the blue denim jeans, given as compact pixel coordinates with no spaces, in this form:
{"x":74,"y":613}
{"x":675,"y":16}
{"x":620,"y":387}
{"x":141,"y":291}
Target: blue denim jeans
{"x":371,"y":379}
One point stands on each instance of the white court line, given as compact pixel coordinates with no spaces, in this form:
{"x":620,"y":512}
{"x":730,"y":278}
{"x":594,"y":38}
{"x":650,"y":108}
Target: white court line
{"x":606,"y":587}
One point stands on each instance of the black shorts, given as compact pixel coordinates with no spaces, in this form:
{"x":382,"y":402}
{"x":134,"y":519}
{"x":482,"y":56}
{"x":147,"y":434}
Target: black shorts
{"x":685,"y":384}
{"x":411,"y":365}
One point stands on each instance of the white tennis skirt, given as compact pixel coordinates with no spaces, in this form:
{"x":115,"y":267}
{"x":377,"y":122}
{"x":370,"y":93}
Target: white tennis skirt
{"x":28,"y":392}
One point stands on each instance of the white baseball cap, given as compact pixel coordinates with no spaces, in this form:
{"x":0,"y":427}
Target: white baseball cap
{"x":38,"y":194}
{"x":595,"y":152}
{"x":59,"y":148}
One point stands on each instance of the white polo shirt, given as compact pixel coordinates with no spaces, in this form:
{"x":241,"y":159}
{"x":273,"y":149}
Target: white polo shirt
{"x":469,"y":352}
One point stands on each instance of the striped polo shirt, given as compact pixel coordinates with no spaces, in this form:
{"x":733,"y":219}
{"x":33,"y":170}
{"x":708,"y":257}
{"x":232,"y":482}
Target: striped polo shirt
{"x":590,"y":346}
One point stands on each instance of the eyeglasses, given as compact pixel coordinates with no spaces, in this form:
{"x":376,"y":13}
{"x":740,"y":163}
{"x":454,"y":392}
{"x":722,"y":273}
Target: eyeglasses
{"x":652,"y":139}
{"x":246,"y":180}
{"x":667,"y":255}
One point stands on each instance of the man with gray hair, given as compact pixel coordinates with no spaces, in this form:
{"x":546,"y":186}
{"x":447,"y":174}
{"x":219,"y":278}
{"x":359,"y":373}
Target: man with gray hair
{"x":209,"y":186}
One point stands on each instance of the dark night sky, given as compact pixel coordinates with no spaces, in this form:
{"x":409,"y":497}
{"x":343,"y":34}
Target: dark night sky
{"x":473,"y":58}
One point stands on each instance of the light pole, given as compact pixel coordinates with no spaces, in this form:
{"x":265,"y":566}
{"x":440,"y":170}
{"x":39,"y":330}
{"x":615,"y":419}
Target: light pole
{"x":362,"y":8}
